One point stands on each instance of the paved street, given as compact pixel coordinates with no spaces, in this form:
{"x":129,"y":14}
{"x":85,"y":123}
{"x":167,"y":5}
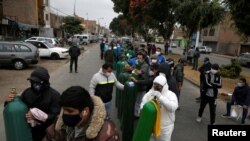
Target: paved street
{"x":186,"y":128}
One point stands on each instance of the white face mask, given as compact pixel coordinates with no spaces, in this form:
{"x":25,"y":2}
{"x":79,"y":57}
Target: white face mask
{"x":213,"y":71}
{"x":154,"y":60}
{"x":151,"y":73}
{"x":107,"y":74}
{"x":240,"y":84}
{"x":157,"y":53}
{"x":109,"y":48}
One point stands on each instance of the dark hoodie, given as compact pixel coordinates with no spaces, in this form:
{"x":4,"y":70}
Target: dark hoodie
{"x":172,"y":83}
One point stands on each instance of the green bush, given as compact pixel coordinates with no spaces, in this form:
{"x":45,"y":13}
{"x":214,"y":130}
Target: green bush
{"x":232,"y":70}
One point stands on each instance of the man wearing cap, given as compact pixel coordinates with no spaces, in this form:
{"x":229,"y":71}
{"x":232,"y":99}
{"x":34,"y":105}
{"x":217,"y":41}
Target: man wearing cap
{"x":168,"y":105}
{"x":210,"y":89}
{"x":44,"y":99}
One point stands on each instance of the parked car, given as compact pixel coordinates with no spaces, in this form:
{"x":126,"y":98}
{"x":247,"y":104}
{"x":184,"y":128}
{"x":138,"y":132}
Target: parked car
{"x":244,"y":59}
{"x":48,"y":50}
{"x":84,"y":39}
{"x":53,"y":41}
{"x":205,"y":49}
{"x":18,"y":54}
{"x":93,"y":39}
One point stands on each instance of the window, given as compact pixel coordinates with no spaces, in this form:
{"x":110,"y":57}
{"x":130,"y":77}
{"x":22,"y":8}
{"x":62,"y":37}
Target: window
{"x":40,"y":39}
{"x":47,"y":2}
{"x":49,"y":40}
{"x":47,"y":17}
{"x":211,"y":32}
{"x":22,"y":48}
{"x":205,"y":32}
{"x":6,"y":48}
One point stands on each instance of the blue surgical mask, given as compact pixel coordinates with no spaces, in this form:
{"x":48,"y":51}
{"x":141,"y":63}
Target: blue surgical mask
{"x":71,"y":120}
{"x":206,"y":62}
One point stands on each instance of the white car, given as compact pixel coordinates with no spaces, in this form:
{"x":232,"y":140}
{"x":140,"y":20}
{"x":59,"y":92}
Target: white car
{"x":205,"y":49}
{"x":53,"y":41}
{"x":84,"y":39}
{"x":48,"y":50}
{"x":244,"y":59}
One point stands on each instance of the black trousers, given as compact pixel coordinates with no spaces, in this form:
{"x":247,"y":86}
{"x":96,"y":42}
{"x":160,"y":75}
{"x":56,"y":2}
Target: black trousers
{"x":212,"y":107}
{"x":75,"y":61}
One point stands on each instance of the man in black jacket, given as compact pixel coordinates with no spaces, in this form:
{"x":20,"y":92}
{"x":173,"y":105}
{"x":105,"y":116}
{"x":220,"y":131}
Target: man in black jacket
{"x":46,"y":99}
{"x":74,"y":52}
{"x":210,"y":89}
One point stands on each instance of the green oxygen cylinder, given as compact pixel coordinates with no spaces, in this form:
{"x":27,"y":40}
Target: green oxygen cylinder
{"x":128,"y":111}
{"x":146,"y":123}
{"x":16,"y":126}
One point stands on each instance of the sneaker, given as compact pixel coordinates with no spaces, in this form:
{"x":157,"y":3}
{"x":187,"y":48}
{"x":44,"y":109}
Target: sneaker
{"x":198,"y":119}
{"x":225,"y":116}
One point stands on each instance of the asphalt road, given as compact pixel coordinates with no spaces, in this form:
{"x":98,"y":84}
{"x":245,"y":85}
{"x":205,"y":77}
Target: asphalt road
{"x":186,"y":128}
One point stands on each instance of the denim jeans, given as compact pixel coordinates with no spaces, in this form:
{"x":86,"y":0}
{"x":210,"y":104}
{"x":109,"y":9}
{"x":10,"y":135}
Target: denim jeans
{"x":108,"y":107}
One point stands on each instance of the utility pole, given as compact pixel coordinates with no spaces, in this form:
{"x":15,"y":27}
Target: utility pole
{"x":75,"y":8}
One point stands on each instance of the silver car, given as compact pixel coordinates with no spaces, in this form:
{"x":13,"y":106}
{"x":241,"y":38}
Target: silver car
{"x":18,"y":54}
{"x":244,"y":59}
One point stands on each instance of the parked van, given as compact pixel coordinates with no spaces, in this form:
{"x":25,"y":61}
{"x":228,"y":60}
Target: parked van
{"x":84,"y":39}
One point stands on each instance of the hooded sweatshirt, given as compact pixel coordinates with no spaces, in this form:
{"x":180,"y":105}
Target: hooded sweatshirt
{"x":172,"y":83}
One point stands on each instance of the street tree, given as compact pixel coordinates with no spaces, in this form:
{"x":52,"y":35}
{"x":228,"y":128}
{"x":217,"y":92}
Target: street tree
{"x":120,"y":26}
{"x":72,"y":25}
{"x":121,"y":6}
{"x":194,"y":15}
{"x":240,"y":12}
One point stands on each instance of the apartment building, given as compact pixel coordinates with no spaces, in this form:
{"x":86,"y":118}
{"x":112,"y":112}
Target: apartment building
{"x":224,"y":38}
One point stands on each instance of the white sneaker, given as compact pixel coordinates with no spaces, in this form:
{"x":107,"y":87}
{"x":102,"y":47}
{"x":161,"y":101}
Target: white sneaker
{"x":198,"y":119}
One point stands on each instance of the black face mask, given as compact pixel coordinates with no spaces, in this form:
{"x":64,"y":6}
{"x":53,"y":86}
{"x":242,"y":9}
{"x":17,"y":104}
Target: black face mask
{"x":71,"y":120}
{"x":158,"y":88}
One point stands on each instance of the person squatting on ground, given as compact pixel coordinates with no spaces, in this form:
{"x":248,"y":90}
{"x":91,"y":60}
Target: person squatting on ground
{"x":210,"y":89}
{"x":44,"y":98}
{"x":241,"y":96}
{"x":83,"y":118}
{"x":102,"y":84}
{"x":74,"y":52}
{"x":168,"y":105}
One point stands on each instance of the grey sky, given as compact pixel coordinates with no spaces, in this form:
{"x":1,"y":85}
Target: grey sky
{"x":94,"y":9}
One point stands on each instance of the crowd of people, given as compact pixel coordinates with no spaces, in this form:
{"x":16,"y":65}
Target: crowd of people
{"x":86,"y":114}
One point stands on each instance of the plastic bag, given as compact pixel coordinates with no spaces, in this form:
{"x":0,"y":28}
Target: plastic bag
{"x":234,"y":113}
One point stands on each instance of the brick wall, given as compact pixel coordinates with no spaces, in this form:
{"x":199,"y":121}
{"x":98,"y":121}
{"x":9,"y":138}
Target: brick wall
{"x":24,"y":10}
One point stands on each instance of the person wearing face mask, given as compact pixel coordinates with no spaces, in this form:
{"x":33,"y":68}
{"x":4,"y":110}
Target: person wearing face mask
{"x":102,"y":84}
{"x":203,"y":69}
{"x":210,"y":88}
{"x":160,"y":56}
{"x":44,"y":99}
{"x":153,"y":72}
{"x":83,"y":118}
{"x":241,"y":96}
{"x":168,"y":105}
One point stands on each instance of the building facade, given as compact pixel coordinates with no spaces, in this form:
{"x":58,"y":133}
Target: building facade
{"x":224,"y":39}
